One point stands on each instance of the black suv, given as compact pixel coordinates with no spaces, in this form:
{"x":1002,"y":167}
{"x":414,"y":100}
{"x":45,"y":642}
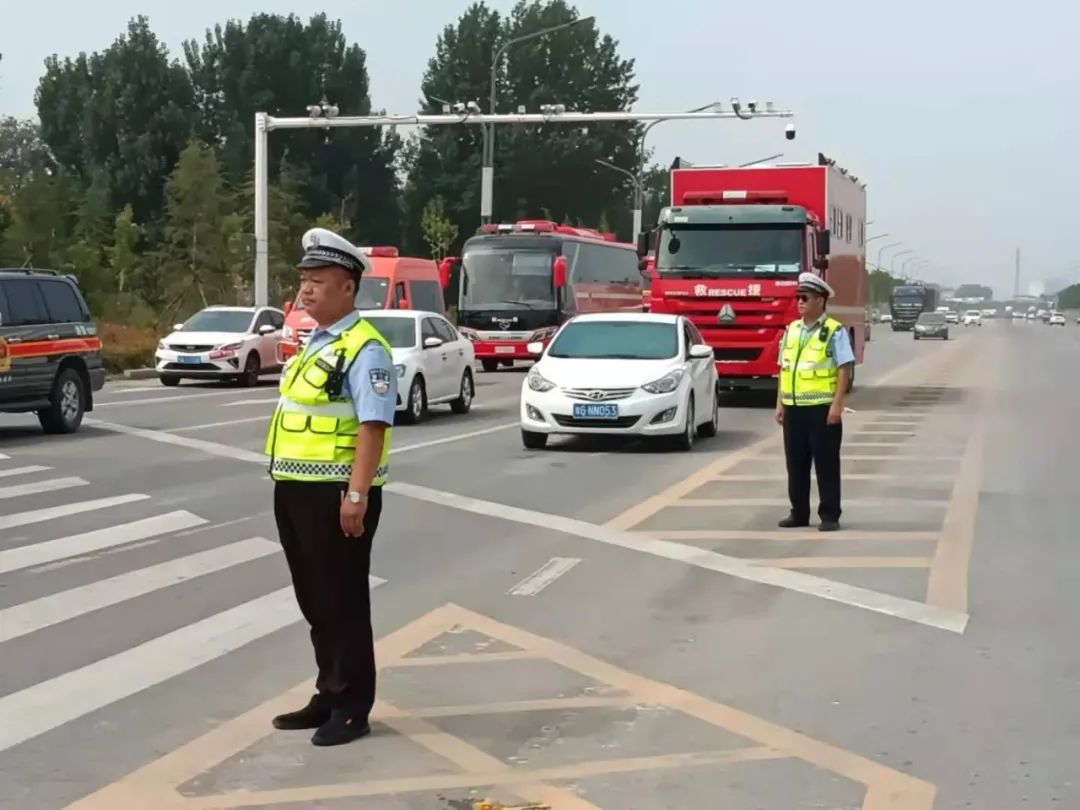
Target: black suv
{"x":50,"y":351}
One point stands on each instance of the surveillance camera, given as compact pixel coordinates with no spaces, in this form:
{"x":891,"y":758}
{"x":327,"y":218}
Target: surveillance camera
{"x":735,"y":103}
{"x":459,"y":107}
{"x":314,"y":110}
{"x":560,"y":109}
{"x":332,"y":111}
{"x":473,"y":107}
{"x":789,"y":132}
{"x":752,"y":104}
{"x":446,"y":109}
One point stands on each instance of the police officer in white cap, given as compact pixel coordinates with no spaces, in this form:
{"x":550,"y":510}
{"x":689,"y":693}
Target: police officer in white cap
{"x":329,"y":443}
{"x":816,"y":362}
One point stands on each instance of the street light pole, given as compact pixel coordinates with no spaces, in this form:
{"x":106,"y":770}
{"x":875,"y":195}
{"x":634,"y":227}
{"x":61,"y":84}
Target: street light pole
{"x":904,"y":264}
{"x":637,"y":193}
{"x":892,"y":262}
{"x":487,"y":171}
{"x":264,"y":124}
{"x":883,"y":249}
{"x":876,"y":236}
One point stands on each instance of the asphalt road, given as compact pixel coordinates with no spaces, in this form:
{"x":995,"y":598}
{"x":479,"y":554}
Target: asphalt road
{"x":597,"y":625}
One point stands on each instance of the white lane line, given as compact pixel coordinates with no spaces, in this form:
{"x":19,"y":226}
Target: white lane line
{"x":46,"y":705}
{"x":37,"y":614}
{"x":66,"y":509}
{"x":240,"y":402}
{"x":38,"y":487}
{"x":457,"y":437}
{"x":799,"y":582}
{"x":97,"y":540}
{"x":226,"y":423}
{"x":164,"y":399}
{"x":4,"y":457}
{"x":543,"y":576}
{"x":213,"y":448}
{"x":31,"y":468}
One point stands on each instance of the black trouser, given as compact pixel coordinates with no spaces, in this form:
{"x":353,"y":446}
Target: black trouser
{"x":330,"y":577}
{"x":808,"y":437}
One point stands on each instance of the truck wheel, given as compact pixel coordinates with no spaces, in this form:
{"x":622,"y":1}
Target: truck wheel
{"x":489,"y":365}
{"x":67,"y":404}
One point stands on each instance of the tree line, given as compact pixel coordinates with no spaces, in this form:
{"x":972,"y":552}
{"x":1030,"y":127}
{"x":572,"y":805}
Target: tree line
{"x":137,"y":175}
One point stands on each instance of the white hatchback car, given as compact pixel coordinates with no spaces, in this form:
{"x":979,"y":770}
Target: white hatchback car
{"x":1056,"y":319}
{"x":627,"y":374}
{"x":234,"y":343}
{"x":434,"y":362}
{"x":973,"y":318}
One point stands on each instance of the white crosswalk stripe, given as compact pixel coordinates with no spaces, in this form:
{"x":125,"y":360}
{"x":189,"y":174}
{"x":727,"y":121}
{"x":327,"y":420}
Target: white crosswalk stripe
{"x":144,"y":553}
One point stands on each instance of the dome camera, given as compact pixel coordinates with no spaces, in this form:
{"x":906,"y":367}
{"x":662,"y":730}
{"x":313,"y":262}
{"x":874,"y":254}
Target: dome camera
{"x":789,"y":132}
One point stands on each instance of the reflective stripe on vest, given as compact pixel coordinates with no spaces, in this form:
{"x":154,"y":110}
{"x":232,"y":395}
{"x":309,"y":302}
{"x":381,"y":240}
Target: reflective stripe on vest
{"x":313,"y":437}
{"x":808,"y":375}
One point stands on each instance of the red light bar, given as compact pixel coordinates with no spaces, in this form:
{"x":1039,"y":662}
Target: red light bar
{"x":734,"y":196}
{"x":380,"y":251}
{"x":536,"y":225}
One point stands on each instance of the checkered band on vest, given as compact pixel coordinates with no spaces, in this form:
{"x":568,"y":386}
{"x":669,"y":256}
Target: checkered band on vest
{"x":317,"y":469}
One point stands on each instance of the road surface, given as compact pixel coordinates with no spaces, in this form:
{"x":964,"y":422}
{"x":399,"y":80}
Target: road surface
{"x":596,"y":625}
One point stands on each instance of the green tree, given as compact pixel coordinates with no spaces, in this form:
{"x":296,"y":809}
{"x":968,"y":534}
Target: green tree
{"x":24,"y":158}
{"x":280,"y":65}
{"x":1069,"y":298}
{"x":126,"y":110}
{"x":123,"y":253}
{"x":544,"y":170}
{"x":439,"y":232}
{"x":40,"y":228}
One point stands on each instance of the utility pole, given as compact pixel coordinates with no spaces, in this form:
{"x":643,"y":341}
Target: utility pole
{"x":325,"y":116}
{"x":1016,"y":276}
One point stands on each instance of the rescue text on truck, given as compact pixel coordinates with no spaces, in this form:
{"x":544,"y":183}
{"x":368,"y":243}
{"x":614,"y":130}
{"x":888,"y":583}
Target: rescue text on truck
{"x":728,"y":251}
{"x":519,"y":281}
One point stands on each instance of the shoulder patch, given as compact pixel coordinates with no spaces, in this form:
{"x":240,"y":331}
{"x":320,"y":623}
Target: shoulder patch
{"x":380,"y":381}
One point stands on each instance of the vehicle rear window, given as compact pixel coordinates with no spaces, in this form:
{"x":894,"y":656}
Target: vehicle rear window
{"x":24,"y":303}
{"x":62,"y":302}
{"x":931,"y":317}
{"x":622,"y":340}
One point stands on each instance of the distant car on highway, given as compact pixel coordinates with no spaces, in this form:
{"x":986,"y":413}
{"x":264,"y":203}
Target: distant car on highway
{"x":989,"y":313}
{"x":433,"y":361}
{"x":222,"y":343}
{"x":952,"y":317}
{"x":932,"y":325}
{"x":886,"y":317}
{"x":628,"y":374}
{"x":1017,"y":315}
{"x":1056,"y":319}
{"x":972,"y":318}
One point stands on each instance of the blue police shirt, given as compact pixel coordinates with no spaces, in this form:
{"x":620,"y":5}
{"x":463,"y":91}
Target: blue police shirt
{"x":839,"y":342}
{"x":366,"y":381}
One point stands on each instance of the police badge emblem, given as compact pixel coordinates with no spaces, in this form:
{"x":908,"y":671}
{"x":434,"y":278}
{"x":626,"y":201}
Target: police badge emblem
{"x":380,"y":381}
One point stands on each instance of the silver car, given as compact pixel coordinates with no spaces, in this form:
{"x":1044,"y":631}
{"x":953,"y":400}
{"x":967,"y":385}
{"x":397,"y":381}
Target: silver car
{"x":932,"y":325}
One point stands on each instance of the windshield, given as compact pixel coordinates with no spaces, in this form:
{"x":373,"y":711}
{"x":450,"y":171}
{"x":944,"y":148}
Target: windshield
{"x":497,"y":278}
{"x":400,"y":333}
{"x":931,"y":317}
{"x":908,"y":292}
{"x":371,"y":294}
{"x":624,"y":340}
{"x":218,"y":320}
{"x":720,"y":251}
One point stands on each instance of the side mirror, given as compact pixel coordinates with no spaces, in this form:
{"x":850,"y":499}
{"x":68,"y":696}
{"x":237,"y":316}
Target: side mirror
{"x":432,"y":342}
{"x":267,"y":328}
{"x":536,"y":348}
{"x":559,"y":272}
{"x":445,"y":266}
{"x":643,"y":243}
{"x":699,"y":351}
{"x":177,"y":327}
{"x":823,"y":238}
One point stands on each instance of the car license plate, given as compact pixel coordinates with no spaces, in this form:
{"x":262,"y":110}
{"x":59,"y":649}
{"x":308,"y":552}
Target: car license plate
{"x":505,"y":349}
{"x":190,"y":359}
{"x":591,"y":411}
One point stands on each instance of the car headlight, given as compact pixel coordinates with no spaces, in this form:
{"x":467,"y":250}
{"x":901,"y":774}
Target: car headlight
{"x":400,"y":369}
{"x":161,"y":345}
{"x":230,"y":347}
{"x":538,"y":382}
{"x":666,"y":384}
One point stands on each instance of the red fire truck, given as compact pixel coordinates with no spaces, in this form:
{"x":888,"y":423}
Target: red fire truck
{"x":728,"y":250}
{"x":519,"y":281}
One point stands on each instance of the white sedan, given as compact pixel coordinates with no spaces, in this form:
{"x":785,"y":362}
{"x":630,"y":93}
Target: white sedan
{"x":627,"y":374}
{"x":233,"y":343}
{"x":973,"y":318}
{"x":1056,"y":319}
{"x":433,"y":361}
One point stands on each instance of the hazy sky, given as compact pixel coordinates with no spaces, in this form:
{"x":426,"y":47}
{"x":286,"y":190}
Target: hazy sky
{"x":962,"y":119}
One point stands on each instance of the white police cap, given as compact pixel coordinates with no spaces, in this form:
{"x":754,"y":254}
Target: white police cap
{"x":808,"y":282}
{"x":323,"y":248}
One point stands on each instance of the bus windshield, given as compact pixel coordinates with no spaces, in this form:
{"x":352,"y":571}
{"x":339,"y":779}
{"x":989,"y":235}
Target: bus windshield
{"x":500,"y":277}
{"x":712,"y":251}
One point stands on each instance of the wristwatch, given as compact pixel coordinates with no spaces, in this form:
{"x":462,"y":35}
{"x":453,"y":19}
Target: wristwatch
{"x":354,"y":496}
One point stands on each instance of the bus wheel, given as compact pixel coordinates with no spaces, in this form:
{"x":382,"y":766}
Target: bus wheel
{"x":489,"y":365}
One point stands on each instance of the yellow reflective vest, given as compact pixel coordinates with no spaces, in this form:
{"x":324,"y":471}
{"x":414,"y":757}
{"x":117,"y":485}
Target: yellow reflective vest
{"x":312,"y":436}
{"x":808,"y":373}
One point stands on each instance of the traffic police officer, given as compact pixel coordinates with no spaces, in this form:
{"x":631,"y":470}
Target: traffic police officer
{"x":329,"y":443}
{"x":816,"y":362}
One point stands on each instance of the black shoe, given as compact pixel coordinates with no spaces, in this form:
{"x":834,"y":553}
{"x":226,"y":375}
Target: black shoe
{"x":341,"y":728}
{"x":311,"y":716}
{"x":791,"y":522}
{"x":829,"y":526}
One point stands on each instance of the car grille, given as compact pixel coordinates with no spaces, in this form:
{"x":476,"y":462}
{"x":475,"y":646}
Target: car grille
{"x":191,"y":367}
{"x":598,"y":394}
{"x":620,"y":422}
{"x":517,"y":337}
{"x":189,"y":347}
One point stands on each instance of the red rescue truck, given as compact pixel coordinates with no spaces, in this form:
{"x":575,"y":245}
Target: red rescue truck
{"x":728,"y":251}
